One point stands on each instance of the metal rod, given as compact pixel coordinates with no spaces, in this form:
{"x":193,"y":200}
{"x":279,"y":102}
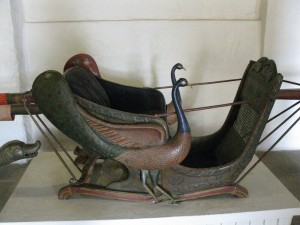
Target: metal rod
{"x":58,"y":142}
{"x":18,"y":109}
{"x":202,"y":83}
{"x":291,"y":82}
{"x":49,"y":142}
{"x":276,"y":128}
{"x":261,"y":158}
{"x":289,"y":94}
{"x":214,"y":106}
{"x":282,"y":112}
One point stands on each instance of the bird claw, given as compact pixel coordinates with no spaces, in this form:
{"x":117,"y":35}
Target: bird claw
{"x":155,"y":201}
{"x":175,"y":202}
{"x":164,"y":193}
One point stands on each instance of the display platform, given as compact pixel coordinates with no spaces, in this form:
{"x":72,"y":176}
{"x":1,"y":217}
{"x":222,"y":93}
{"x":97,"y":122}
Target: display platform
{"x":35,"y":200}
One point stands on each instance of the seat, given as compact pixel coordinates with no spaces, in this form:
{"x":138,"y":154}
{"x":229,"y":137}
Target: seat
{"x":122,"y":96}
{"x":244,"y":124}
{"x":123,"y":108}
{"x":85,"y":84}
{"x":218,"y":159}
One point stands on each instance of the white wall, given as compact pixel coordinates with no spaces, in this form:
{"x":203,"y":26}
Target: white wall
{"x":137,"y":42}
{"x":9,"y":72}
{"x":281,"y":43}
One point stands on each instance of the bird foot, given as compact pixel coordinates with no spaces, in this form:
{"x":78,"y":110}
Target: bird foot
{"x":167,"y":195}
{"x":155,"y":200}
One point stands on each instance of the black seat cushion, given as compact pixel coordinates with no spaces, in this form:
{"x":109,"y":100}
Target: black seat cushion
{"x":120,"y":97}
{"x":84,"y":84}
{"x":135,"y":100}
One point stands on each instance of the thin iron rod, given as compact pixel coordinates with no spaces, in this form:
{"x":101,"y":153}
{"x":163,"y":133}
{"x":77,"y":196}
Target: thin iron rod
{"x":213,"y":106}
{"x":276,"y":128}
{"x":49,"y":142}
{"x":291,"y":82}
{"x":202,"y":83}
{"x":287,"y":109}
{"x":57,"y":141}
{"x":261,"y":158}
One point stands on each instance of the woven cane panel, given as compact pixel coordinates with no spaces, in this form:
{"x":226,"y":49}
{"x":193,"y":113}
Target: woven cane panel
{"x":232,"y":146}
{"x":245,"y":122}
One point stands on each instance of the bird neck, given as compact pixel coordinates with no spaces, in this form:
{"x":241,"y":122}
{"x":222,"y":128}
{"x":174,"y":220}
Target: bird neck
{"x":173,"y":78}
{"x":183,"y":125}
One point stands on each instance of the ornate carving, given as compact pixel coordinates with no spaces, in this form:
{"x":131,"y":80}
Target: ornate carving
{"x":16,"y":150}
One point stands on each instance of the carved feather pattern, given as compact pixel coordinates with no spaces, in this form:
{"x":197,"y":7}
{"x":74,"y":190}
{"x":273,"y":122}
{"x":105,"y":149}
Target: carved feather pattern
{"x":107,"y":131}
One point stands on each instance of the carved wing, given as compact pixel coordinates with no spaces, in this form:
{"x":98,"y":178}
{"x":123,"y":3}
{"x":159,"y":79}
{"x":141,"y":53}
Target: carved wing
{"x":126,"y":135}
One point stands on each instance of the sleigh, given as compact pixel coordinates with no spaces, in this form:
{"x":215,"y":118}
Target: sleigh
{"x":127,"y":152}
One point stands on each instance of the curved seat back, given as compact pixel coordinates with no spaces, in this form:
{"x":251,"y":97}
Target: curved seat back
{"x":245,"y":123}
{"x":118,"y":112}
{"x":236,"y":141}
{"x":125,"y":98}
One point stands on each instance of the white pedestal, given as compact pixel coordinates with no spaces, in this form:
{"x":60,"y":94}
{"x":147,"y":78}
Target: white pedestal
{"x":35,"y":200}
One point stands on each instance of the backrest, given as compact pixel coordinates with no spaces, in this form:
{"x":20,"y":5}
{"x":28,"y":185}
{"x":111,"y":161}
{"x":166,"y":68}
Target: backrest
{"x":146,"y":101}
{"x":85,"y":84}
{"x":245,"y":123}
{"x":112,"y":103}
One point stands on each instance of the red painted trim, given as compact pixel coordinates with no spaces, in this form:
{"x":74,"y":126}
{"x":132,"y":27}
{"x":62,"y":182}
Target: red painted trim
{"x":3,"y":100}
{"x":68,"y":191}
